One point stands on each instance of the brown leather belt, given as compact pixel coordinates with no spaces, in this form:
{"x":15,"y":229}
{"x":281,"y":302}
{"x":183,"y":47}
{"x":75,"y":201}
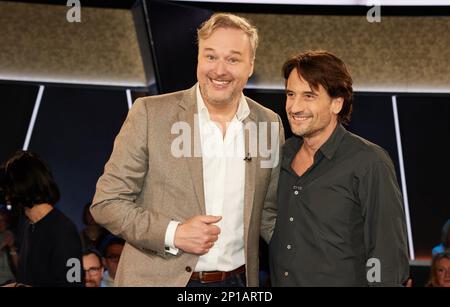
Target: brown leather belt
{"x":214,"y":276}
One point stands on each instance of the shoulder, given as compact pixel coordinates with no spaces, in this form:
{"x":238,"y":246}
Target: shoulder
{"x":260,"y":112}
{"x":164,"y":98}
{"x":159,"y":101}
{"x":159,"y":109}
{"x":367,"y":151}
{"x":65,"y":226}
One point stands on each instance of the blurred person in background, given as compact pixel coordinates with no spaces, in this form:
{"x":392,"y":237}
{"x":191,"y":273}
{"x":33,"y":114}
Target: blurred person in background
{"x":92,"y":234}
{"x":49,"y":240}
{"x":93,"y":269}
{"x":444,"y":246}
{"x":111,"y":251}
{"x":440,"y":271}
{"x":8,"y":249}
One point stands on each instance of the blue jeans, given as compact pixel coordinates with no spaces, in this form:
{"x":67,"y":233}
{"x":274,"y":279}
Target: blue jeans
{"x":238,"y":280}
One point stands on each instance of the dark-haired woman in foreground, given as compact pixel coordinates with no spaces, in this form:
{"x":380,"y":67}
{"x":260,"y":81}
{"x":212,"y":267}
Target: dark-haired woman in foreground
{"x":50,"y":250}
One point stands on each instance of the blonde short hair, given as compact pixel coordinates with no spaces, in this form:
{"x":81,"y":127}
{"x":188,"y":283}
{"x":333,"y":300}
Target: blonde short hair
{"x":224,"y":20}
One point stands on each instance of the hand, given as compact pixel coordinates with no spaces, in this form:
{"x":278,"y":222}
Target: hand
{"x":198,"y":234}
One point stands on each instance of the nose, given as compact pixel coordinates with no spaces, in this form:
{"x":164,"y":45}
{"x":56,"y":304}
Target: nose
{"x":295,"y":105}
{"x":220,"y":68}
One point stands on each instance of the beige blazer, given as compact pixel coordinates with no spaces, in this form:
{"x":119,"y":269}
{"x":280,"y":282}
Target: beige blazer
{"x":144,"y":186}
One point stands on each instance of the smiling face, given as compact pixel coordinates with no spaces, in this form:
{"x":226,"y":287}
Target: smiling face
{"x":311,"y":112}
{"x":443,"y":272}
{"x":224,"y":65}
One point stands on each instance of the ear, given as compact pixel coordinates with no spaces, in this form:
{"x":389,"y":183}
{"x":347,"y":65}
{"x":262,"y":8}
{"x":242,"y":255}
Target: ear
{"x":337,"y":104}
{"x":252,"y":65}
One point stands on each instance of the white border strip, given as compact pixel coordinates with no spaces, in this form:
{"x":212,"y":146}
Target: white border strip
{"x":403,"y":177}
{"x":130,"y":101}
{"x":33,"y":117}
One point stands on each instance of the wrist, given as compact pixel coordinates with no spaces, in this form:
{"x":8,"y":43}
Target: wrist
{"x":169,"y":240}
{"x":175,"y":236}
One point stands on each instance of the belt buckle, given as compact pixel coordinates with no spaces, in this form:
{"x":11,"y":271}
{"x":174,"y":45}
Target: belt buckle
{"x":200,"y":277}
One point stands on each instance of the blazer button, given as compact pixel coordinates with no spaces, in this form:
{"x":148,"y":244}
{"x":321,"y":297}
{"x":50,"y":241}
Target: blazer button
{"x":188,"y":269}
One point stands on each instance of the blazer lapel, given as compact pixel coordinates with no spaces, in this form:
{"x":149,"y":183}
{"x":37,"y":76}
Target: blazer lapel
{"x":188,"y":114}
{"x":250,"y":176}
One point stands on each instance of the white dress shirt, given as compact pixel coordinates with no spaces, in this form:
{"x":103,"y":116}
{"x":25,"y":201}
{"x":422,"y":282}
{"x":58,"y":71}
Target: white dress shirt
{"x":224,"y":184}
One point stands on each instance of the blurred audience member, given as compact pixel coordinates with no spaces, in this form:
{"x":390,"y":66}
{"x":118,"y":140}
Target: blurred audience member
{"x":440,"y":271}
{"x":112,"y":249}
{"x":93,"y":234}
{"x":8,"y":250}
{"x":48,"y":238}
{"x":93,"y":269}
{"x":444,"y":246}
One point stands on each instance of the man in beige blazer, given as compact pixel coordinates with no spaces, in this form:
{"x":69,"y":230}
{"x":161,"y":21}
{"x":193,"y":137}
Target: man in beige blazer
{"x":191,"y":182}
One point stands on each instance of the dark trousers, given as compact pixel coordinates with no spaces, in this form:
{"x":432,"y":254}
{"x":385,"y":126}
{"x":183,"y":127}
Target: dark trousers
{"x":238,"y":280}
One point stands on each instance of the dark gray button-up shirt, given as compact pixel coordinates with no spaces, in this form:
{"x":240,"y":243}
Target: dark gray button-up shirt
{"x":344,"y":210}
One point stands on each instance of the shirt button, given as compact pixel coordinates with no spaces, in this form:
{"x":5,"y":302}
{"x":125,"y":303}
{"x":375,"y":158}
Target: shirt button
{"x":188,"y":269}
{"x":296,"y":192}
{"x":291,"y":219}
{"x":289,"y":246}
{"x":286,"y":273}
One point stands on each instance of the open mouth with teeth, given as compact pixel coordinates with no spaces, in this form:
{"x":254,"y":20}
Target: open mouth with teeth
{"x":297,"y":117}
{"x":217,"y":83}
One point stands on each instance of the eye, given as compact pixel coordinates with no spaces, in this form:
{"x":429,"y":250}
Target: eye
{"x":233,"y":60}
{"x":289,"y":94}
{"x":210,"y":57}
{"x":309,"y":96}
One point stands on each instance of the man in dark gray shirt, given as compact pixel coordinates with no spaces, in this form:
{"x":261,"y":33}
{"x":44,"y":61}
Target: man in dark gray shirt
{"x":340,"y":215}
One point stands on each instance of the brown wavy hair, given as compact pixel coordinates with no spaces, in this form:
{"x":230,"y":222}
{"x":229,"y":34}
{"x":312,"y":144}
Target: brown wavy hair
{"x":324,"y":68}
